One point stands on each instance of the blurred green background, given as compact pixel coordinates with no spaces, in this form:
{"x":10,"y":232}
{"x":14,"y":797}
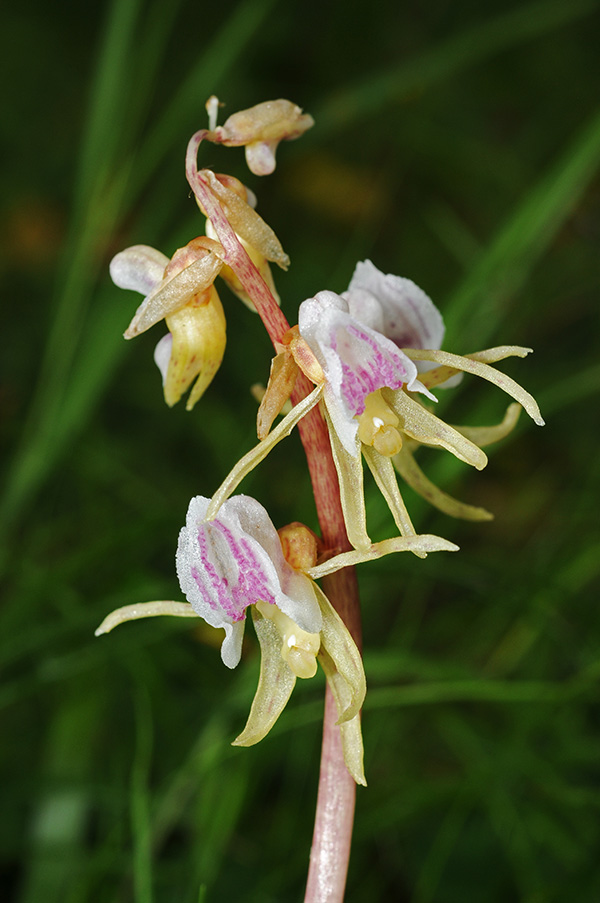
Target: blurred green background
{"x":455,"y":143}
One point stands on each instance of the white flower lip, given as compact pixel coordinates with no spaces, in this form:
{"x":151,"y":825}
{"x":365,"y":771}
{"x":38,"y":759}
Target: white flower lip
{"x":139,"y":268}
{"x":229,"y":563}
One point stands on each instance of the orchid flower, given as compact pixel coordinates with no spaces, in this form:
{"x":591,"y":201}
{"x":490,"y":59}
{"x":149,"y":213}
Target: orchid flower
{"x":181,"y":292}
{"x":368,"y":343}
{"x":370,"y":392}
{"x":238,"y":561}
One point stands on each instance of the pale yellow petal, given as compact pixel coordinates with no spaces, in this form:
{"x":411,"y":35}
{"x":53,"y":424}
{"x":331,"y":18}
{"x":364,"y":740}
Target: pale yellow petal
{"x":475,"y":363}
{"x":420,"y":424}
{"x":173,"y":294}
{"x":282,"y":379}
{"x":145,"y":610}
{"x":499,"y":353}
{"x":275,"y":684}
{"x":199,"y":339}
{"x":412,"y":474}
{"x":337,"y":642}
{"x":246,"y":222}
{"x":342,"y":663}
{"x":422,"y":542}
{"x":352,"y":749}
{"x":383,"y":470}
{"x":352,"y":496}
{"x":433,"y":378}
{"x":250,"y":460}
{"x":271,"y":120}
{"x":487,"y":435}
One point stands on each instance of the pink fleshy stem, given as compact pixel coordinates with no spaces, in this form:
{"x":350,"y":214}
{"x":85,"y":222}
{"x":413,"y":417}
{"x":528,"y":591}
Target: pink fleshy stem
{"x":235,"y":255}
{"x":334,"y":816}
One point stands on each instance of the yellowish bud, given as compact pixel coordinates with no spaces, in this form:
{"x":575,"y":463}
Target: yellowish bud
{"x":299,"y":545}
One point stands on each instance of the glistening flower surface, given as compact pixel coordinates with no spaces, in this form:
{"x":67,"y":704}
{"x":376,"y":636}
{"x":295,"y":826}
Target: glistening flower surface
{"x":356,"y":359}
{"x":260,"y":129}
{"x":394,"y":306}
{"x":234,"y":561}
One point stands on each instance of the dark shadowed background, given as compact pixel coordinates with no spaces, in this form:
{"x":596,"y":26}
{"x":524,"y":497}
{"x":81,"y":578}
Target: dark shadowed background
{"x":455,"y":143}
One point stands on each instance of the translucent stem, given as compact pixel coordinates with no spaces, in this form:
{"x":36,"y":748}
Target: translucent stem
{"x":334,"y":817}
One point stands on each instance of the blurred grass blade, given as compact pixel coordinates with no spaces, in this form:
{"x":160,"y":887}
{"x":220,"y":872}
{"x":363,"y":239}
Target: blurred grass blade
{"x":186,"y":108}
{"x":482,"y":299}
{"x":371,"y":95}
{"x":499,"y":691}
{"x":108,"y":96}
{"x":61,"y":403}
{"x":140,"y":797}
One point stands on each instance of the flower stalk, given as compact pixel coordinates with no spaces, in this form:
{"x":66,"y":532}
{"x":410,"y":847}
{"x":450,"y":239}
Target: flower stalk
{"x":330,"y":852}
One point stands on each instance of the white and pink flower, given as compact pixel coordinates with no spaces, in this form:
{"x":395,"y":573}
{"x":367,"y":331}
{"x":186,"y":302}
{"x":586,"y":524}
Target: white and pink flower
{"x":234,"y":561}
{"x":372,"y":394}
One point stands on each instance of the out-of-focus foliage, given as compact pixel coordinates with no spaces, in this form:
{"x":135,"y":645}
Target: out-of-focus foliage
{"x":455,"y":143}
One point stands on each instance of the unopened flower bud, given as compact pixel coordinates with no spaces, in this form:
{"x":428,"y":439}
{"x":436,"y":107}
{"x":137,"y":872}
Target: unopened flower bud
{"x":300,"y":546}
{"x":260,"y":129}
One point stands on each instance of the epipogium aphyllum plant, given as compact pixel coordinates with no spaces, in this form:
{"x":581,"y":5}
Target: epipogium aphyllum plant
{"x":359,"y":369}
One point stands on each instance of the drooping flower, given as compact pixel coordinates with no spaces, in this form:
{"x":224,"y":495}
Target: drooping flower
{"x":249,"y":245}
{"x":373,"y":395}
{"x":181,"y":292}
{"x":260,"y":129}
{"x":237,"y":561}
{"x":368,"y":345}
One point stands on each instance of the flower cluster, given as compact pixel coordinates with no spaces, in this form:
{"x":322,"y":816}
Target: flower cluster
{"x":373,"y":355}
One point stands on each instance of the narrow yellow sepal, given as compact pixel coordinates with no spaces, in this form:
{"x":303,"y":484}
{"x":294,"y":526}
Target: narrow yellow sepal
{"x":342,"y":663}
{"x":275,"y":683}
{"x":282,"y":379}
{"x":144,"y":610}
